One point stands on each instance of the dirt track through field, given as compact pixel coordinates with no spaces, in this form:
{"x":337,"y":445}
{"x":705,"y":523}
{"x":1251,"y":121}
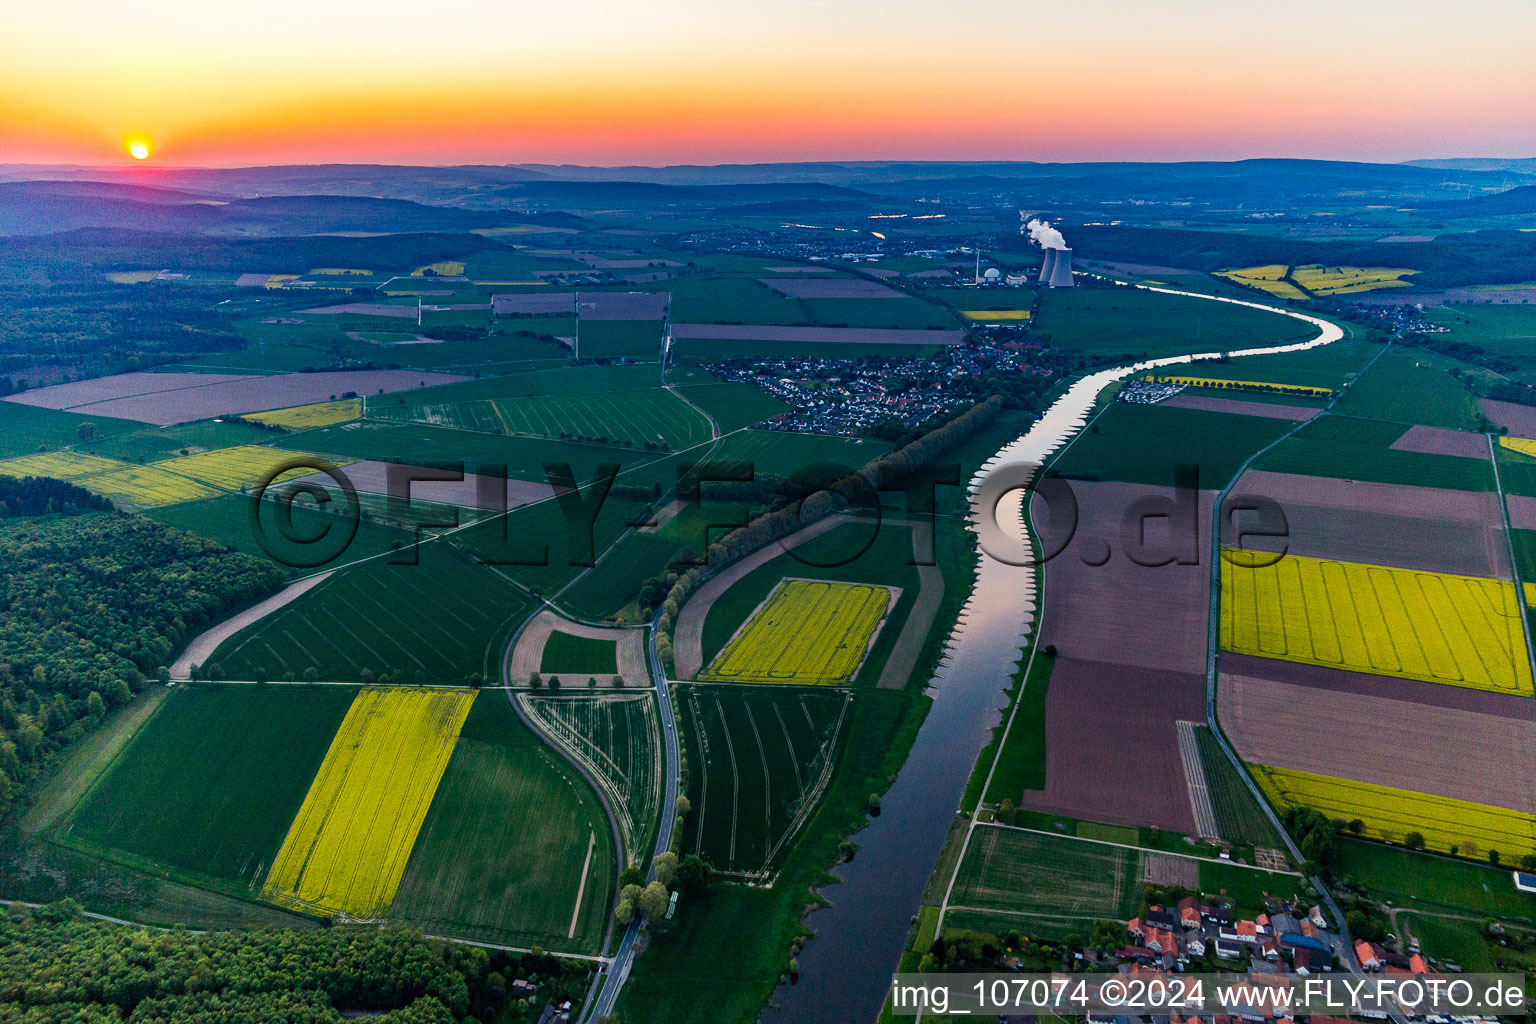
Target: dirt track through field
{"x":688,"y":633}
{"x":205,"y":643}
{"x":1449,"y":752}
{"x":529,"y":652}
{"x":914,"y":632}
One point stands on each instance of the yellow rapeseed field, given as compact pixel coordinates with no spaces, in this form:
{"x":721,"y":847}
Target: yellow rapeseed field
{"x":339,"y":272}
{"x":132,"y":276}
{"x":320,"y":414}
{"x":447,"y":268}
{"x":59,"y":465}
{"x":996,"y":314}
{"x":348,"y":846}
{"x":243,"y":466}
{"x":1461,"y":630}
{"x":1266,"y":279}
{"x":145,"y":486}
{"x":808,"y":631}
{"x":1321,"y":280}
{"x":1391,"y":814}
{"x":1523,"y":445}
{"x":280,"y":280}
{"x":1242,"y":385}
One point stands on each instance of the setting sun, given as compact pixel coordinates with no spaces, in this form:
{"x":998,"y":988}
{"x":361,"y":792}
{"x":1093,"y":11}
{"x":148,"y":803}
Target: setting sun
{"x":138,"y":149}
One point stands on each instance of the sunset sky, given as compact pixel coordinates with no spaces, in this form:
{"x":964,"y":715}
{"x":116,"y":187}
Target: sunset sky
{"x":688,"y":81}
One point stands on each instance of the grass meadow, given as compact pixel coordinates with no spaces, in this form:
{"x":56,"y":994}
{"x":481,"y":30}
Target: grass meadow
{"x":579,"y":655}
{"x":25,"y":429}
{"x":1144,"y":443}
{"x":1106,"y":323}
{"x":1361,"y":449}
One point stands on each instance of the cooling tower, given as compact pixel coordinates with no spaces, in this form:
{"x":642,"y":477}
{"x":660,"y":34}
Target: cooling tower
{"x":1047,"y":260}
{"x":1061,"y":269}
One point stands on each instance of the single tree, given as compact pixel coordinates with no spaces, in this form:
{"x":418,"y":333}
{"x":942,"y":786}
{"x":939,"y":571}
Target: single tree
{"x":653,"y":901}
{"x":666,"y":867}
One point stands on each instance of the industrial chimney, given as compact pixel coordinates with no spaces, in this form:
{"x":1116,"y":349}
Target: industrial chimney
{"x":1047,"y":260}
{"x":1061,"y":269}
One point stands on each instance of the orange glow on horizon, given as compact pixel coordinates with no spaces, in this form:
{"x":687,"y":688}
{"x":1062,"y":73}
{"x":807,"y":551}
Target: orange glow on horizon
{"x":694,"y":81}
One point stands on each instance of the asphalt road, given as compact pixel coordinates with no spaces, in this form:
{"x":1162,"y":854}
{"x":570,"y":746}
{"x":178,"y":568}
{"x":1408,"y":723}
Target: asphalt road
{"x":618,"y":969}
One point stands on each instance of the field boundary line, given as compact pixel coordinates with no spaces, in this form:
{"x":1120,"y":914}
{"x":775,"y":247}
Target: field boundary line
{"x":1514,"y":568}
{"x":1138,"y":849}
{"x":581,"y":890}
{"x":1194,"y":777}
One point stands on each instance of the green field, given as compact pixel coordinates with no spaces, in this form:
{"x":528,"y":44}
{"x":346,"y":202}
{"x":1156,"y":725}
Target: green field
{"x":1498,"y":330}
{"x":1010,"y":874}
{"x":579,"y":655}
{"x":617,"y":738}
{"x":636,"y":418}
{"x":540,"y":534}
{"x":759,"y":760}
{"x":89,"y":760}
{"x":619,"y":339}
{"x":1412,"y":386}
{"x":1107,"y":323}
{"x":1423,"y":878}
{"x":733,"y":404}
{"x":780,"y":453}
{"x":1330,"y":366}
{"x":611,"y":585}
{"x":227,"y":519}
{"x":1143,"y":444}
{"x":437,"y":622}
{"x":502,"y":853}
{"x":1247,"y":888}
{"x":25,"y":429}
{"x":209,"y":786}
{"x":1238,"y":816}
{"x":1358,"y":449}
{"x":746,"y":301}
{"x":1021,"y":762}
{"x":158,"y":443}
{"x":1453,"y":942}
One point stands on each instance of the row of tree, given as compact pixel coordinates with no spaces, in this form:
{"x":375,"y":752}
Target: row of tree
{"x":889,"y":471}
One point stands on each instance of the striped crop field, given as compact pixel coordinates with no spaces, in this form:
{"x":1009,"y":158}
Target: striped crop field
{"x":348,"y":846}
{"x":245,"y":465}
{"x":318,"y":414}
{"x":638,"y":417}
{"x":808,"y":631}
{"x":1009,"y":871}
{"x":1459,"y":630}
{"x":760,"y":759}
{"x":1388,"y":813}
{"x":144,"y":486}
{"x":616,"y":738}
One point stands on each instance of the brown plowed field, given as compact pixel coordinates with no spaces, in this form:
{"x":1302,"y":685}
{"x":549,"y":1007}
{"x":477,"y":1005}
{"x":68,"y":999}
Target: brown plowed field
{"x":1238,"y":407}
{"x":1429,"y":528}
{"x":1520,"y":419}
{"x":1112,"y":746}
{"x":1149,"y":616}
{"x":1366,"y":685}
{"x":1444,"y":751}
{"x":1440,"y":441}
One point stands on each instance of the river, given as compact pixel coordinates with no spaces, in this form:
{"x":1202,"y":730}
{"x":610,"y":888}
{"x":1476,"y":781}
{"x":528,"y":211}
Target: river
{"x":845,"y":971}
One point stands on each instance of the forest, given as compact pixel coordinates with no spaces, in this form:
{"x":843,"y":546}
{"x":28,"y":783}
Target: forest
{"x":57,"y":965}
{"x":93,"y":605}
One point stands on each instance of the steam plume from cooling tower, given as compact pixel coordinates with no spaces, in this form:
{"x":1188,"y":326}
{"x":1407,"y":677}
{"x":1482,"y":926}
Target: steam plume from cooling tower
{"x":1045,"y":236}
